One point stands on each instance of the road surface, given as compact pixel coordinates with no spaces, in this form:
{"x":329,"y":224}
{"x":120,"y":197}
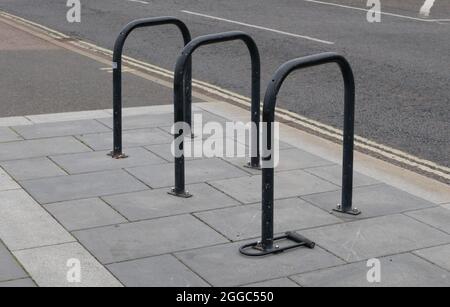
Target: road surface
{"x":401,"y":64}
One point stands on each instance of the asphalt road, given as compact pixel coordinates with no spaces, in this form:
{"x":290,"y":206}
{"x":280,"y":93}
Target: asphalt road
{"x":401,"y":64}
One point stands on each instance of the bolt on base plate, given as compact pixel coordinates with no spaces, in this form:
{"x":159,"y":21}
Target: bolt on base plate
{"x":183,"y":194}
{"x":117,"y":156}
{"x":353,"y":211}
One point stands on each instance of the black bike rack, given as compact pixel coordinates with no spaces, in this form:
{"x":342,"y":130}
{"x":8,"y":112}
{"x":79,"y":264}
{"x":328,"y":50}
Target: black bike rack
{"x":181,"y":69}
{"x":117,"y":152}
{"x":267,"y":244}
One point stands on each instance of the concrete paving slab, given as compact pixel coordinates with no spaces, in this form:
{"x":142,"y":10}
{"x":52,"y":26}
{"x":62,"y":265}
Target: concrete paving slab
{"x":437,"y":217}
{"x":85,"y":213}
{"x":141,"y":121}
{"x":48,"y":130}
{"x":25,"y":224}
{"x":147,"y":238}
{"x":165,"y":150}
{"x":40,"y":148}
{"x":333,"y":174}
{"x":244,"y":222}
{"x":373,"y":201}
{"x":274,"y":283}
{"x":100,"y":161}
{"x":35,"y":168}
{"x":6,"y":182}
{"x":14,"y":121}
{"x":287,"y":185}
{"x":403,"y":270}
{"x":439,"y":255}
{"x":159,"y":176}
{"x":290,"y":159}
{"x":18,"y":283}
{"x":9,"y":268}
{"x":67,"y":116}
{"x":50,"y":266}
{"x":158,"y":203}
{"x":223,"y":266}
{"x":159,"y":271}
{"x":57,"y":189}
{"x":7,"y":135}
{"x":376,"y":237}
{"x":130,"y":138}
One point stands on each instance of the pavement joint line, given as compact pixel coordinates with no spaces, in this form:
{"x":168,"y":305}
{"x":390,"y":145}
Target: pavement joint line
{"x":383,"y":13}
{"x":428,"y":260}
{"x":310,"y":38}
{"x":405,"y":213}
{"x":190,"y":269}
{"x":371,"y":146}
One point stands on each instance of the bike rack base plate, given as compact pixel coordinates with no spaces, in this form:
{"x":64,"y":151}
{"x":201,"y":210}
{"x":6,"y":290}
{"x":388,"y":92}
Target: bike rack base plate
{"x":353,"y":211}
{"x":184,"y":194}
{"x":255,"y":167}
{"x":117,"y":156}
{"x":256,"y":249}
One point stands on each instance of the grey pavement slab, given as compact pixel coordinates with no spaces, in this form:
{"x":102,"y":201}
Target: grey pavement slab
{"x":32,"y":168}
{"x":438,"y":217}
{"x":101,"y":161}
{"x":373,"y":201}
{"x":224,"y":266}
{"x":56,"y":189}
{"x":130,"y":138}
{"x":9,"y":268}
{"x":7,"y":135}
{"x":141,"y":121}
{"x":244,"y":222}
{"x":49,"y":266}
{"x":25,"y":224}
{"x":85,"y":213}
{"x":376,"y":237}
{"x":274,"y":283}
{"x":192,"y":148}
{"x":158,"y":120}
{"x":147,"y":238}
{"x":333,"y":174}
{"x":39,"y":148}
{"x":287,"y":185}
{"x":158,"y":203}
{"x":289,"y":159}
{"x":159,"y":271}
{"x":158,"y":176}
{"x":48,"y":130}
{"x":404,"y":270}
{"x":6,"y":182}
{"x":439,"y":255}
{"x":18,"y":283}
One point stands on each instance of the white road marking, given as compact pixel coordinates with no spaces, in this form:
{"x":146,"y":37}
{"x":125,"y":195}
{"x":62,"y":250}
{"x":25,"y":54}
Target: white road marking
{"x":261,"y":28}
{"x":383,"y":13}
{"x":138,"y":1}
{"x":426,"y":8}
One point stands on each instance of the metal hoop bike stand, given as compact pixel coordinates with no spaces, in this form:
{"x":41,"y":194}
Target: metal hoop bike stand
{"x":181,"y":69}
{"x":117,"y":152}
{"x":267,"y":244}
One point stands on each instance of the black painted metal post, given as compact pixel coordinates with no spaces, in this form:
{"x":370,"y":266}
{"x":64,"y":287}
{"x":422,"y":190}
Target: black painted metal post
{"x":266,"y":246}
{"x":180,"y":102}
{"x":117,"y":74}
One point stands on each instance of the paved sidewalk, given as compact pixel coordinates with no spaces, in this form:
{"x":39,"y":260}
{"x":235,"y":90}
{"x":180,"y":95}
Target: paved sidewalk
{"x":63,"y":198}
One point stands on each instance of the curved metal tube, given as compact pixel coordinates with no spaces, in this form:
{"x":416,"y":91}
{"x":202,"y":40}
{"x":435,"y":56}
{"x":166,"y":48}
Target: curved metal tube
{"x":180,"y":72}
{"x":270,"y":101}
{"x":117,"y":72}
